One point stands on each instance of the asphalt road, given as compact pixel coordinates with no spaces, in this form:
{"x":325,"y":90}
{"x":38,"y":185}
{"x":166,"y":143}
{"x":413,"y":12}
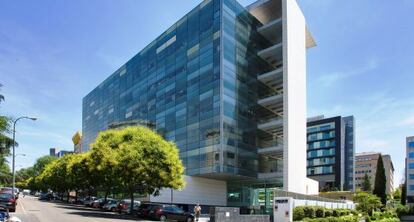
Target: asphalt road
{"x":30,"y":209}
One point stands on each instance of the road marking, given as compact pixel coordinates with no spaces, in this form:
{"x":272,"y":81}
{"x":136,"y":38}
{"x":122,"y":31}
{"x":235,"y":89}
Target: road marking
{"x":21,"y":204}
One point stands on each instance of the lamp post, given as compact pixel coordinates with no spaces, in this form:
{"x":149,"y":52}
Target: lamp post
{"x":14,"y":148}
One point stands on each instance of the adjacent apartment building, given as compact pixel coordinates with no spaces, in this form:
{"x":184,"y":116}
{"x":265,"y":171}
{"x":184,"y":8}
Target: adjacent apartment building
{"x":409,"y":169}
{"x":330,"y":152}
{"x":366,"y":163}
{"x":227,"y":84}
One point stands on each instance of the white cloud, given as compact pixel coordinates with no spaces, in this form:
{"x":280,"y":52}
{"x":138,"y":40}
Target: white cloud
{"x":331,"y":78}
{"x":409,"y":121}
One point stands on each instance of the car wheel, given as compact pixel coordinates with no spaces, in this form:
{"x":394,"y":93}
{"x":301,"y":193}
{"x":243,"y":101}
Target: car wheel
{"x":163,"y":218}
{"x":189,"y":219}
{"x":113,"y":209}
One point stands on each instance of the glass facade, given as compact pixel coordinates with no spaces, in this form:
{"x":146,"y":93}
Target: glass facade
{"x":349,"y":152}
{"x":197,"y":85}
{"x":322,"y":143}
{"x":174,"y":84}
{"x":331,"y":151}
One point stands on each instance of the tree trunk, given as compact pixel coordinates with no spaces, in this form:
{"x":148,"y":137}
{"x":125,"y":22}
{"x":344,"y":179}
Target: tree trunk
{"x":132,"y":202}
{"x":67,"y":197}
{"x":106,"y":194}
{"x":76,"y":196}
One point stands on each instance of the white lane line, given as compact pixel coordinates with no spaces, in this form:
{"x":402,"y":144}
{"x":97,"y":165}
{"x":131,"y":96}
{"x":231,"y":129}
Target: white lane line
{"x":21,"y":204}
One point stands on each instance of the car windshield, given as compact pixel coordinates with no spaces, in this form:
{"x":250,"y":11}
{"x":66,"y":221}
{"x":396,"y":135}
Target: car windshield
{"x":5,"y":196}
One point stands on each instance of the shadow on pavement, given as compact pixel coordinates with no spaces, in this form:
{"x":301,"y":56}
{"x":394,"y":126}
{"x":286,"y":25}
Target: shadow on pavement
{"x":74,"y":207}
{"x":106,"y":215}
{"x":93,"y":212}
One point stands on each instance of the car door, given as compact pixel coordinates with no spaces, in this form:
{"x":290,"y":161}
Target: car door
{"x":170,"y":213}
{"x":179,"y":214}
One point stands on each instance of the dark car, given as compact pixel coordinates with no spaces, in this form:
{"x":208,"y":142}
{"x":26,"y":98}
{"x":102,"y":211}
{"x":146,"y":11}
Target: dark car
{"x":145,"y":209}
{"x":124,"y":206}
{"x":45,"y":196}
{"x":8,"y":201}
{"x":170,"y":212}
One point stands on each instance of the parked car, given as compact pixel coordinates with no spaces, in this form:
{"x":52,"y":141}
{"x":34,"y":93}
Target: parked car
{"x":8,"y":201}
{"x":4,"y":214}
{"x":87,"y":201}
{"x":124,"y":206}
{"x":145,"y":209}
{"x":170,"y":212}
{"x":111,"y":206}
{"x":45,"y":196}
{"x":26,"y":192}
{"x":99,"y":203}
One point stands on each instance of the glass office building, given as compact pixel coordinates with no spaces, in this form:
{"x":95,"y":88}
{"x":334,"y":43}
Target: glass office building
{"x":409,"y":170}
{"x":331,"y":152}
{"x":214,"y":84}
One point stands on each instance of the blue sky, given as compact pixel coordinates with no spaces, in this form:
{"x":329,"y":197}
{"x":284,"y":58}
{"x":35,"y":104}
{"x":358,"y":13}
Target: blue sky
{"x":53,"y":52}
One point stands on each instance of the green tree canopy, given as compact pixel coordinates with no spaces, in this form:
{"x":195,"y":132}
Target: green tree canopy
{"x":380,"y":181}
{"x":41,"y":163}
{"x":367,"y":202}
{"x":144,"y":162}
{"x":5,"y":141}
{"x":366,"y":184}
{"x":404,"y":193}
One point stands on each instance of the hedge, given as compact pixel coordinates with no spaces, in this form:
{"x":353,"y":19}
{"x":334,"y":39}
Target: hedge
{"x":311,"y":212}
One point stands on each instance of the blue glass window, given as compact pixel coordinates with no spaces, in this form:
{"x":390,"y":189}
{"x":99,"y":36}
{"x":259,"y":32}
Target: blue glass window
{"x":411,"y":176}
{"x":411,"y":187}
{"x":411,"y":155}
{"x":411,"y":144}
{"x":411,"y":165}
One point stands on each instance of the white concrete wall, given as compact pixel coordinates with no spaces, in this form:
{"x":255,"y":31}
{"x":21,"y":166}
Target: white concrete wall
{"x":312,"y":187}
{"x":197,"y":190}
{"x":294,"y":89}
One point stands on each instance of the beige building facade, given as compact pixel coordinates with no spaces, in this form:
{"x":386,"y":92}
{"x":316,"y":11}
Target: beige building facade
{"x":366,"y":163}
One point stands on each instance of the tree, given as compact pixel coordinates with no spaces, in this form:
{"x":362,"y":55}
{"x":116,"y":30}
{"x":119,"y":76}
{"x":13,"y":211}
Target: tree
{"x":145,"y":162}
{"x":78,"y":172}
{"x":366,"y":184}
{"x":102,"y":164}
{"x":41,"y":163}
{"x":24,"y":174}
{"x":380,"y":180}
{"x":367,"y":202}
{"x":55,"y":175}
{"x":404,"y":193}
{"x":397,"y":194}
{"x":5,"y":141}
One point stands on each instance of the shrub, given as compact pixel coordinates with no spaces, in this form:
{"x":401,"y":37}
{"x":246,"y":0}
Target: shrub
{"x":319,"y":212}
{"x":309,"y":212}
{"x":298,"y":213}
{"x":348,"y":218}
{"x":328,"y":212}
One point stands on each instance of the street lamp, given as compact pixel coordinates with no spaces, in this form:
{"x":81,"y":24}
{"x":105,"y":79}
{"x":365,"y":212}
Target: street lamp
{"x":14,"y":147}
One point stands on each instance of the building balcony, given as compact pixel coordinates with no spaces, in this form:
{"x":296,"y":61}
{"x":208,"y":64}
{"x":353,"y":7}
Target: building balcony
{"x":273,"y":79}
{"x":270,"y":175}
{"x":272,"y":30}
{"x":276,"y":150}
{"x":271,"y":125}
{"x":272,"y":102}
{"x":273,"y":55}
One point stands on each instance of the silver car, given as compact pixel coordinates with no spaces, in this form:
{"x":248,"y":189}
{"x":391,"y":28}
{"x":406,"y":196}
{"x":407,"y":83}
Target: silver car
{"x":111,"y":205}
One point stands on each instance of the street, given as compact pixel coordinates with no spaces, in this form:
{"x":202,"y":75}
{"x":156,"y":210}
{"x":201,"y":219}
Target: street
{"x":30,"y":209}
